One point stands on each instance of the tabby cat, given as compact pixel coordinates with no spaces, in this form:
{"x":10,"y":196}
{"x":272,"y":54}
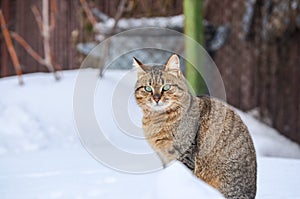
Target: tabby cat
{"x":203,"y":133}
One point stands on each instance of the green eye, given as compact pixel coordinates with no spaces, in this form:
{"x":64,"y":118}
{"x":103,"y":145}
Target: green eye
{"x":148,"y":89}
{"x":166,"y":87}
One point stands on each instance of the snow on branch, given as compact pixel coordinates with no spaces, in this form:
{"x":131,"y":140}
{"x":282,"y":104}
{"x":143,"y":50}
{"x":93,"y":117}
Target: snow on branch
{"x":173,"y":22}
{"x":218,"y":34}
{"x":215,"y":36}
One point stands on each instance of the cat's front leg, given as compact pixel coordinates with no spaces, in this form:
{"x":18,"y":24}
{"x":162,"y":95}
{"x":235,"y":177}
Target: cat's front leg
{"x":167,"y":155}
{"x":163,"y":159}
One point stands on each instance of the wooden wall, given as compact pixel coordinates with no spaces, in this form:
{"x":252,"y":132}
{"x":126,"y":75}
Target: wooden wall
{"x":261,"y":68}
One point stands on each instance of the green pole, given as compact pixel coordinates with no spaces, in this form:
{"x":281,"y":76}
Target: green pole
{"x":193,"y":28}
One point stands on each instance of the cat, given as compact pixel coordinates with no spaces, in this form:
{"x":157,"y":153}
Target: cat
{"x":204,"y":133}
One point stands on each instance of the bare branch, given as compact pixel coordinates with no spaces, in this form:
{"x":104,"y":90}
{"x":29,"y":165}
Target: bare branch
{"x":46,"y":35}
{"x":121,"y":9}
{"x":11,"y":48}
{"x":27,"y":47}
{"x":55,"y":65}
{"x":30,"y":50}
{"x":46,"y":38}
{"x":38,"y":17}
{"x":53,"y":10}
{"x":88,"y":12}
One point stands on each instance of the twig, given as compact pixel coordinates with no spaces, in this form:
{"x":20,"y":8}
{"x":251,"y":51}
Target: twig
{"x":53,"y":9}
{"x":11,"y":48}
{"x":27,"y":47}
{"x":30,"y":50}
{"x":55,"y":65}
{"x":88,"y":12}
{"x":46,"y":38}
{"x":45,"y":33}
{"x":43,"y":24}
{"x":38,"y":17}
{"x":121,"y":9}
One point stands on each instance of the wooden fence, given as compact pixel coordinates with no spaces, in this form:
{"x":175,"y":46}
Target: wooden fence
{"x":260,"y":64}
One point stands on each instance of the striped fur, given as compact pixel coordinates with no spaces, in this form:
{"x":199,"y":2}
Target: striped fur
{"x":203,"y":133}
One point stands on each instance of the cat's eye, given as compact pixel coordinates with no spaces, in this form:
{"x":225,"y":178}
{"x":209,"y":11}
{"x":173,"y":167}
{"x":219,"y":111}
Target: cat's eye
{"x":166,"y":87}
{"x":148,"y":89}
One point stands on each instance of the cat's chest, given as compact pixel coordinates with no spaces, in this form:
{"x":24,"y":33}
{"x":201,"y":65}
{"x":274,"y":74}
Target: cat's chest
{"x":162,"y":141}
{"x":154,"y":124}
{"x":159,"y":130}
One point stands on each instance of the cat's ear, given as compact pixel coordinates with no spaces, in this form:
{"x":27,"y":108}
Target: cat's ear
{"x":142,"y":69}
{"x":173,"y":65}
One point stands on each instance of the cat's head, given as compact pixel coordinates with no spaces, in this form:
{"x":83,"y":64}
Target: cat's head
{"x":160,"y":87}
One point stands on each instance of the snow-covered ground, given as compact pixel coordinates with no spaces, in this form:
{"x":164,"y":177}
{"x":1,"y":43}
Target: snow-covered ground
{"x":41,"y":155}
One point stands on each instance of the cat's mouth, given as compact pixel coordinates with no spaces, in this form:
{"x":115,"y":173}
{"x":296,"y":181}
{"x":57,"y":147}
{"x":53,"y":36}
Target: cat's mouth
{"x":159,"y":105}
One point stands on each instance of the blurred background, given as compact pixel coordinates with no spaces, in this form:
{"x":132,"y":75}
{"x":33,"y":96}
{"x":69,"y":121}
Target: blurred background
{"x":254,"y":43}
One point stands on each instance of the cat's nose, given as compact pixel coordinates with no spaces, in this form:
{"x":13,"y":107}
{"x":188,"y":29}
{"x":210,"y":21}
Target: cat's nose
{"x":156,"y":97}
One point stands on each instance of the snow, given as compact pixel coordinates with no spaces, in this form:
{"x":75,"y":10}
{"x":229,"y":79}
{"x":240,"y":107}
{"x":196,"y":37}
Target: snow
{"x":42,"y":157}
{"x":267,"y":141}
{"x":184,"y":182}
{"x":38,"y":115}
{"x":173,"y":22}
{"x":48,"y":175}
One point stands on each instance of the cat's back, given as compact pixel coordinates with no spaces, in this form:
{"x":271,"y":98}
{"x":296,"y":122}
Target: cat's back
{"x":226,"y":156}
{"x":222,"y":124}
